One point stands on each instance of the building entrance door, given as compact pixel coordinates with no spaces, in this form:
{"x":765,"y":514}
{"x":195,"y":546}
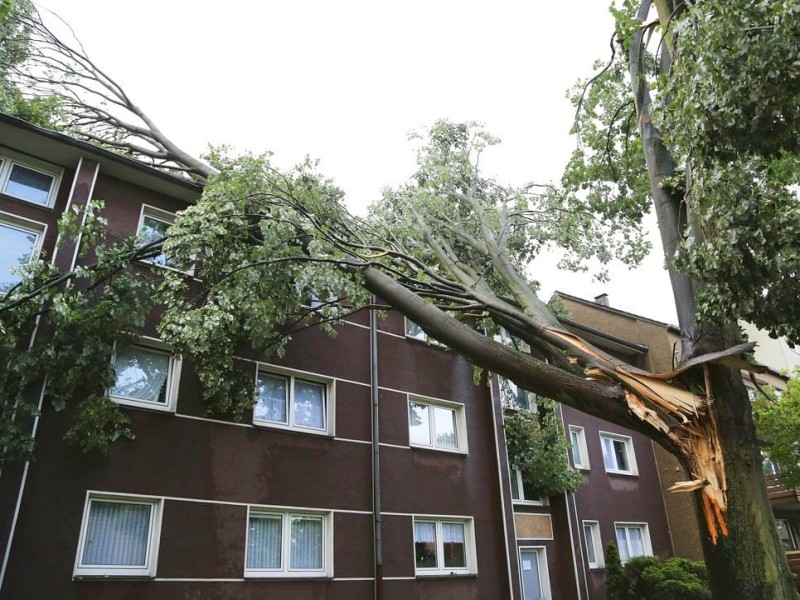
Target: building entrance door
{"x":531,"y":577}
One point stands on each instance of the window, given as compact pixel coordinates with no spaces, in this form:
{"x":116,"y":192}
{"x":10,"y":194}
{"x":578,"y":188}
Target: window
{"x":147,"y":376}
{"x":415,"y":331}
{"x":443,"y":546}
{"x":119,"y":537}
{"x":292,"y":402}
{"x":534,"y":575}
{"x":618,"y":454}
{"x":633,"y":539}
{"x":786,"y":534}
{"x":153,"y":225}
{"x":20,"y":241}
{"x":514,"y":397}
{"x":436,"y":425}
{"x":288,"y":544}
{"x":577,"y":440}
{"x":29,"y":180}
{"x":521,"y":492}
{"x":594,"y":547}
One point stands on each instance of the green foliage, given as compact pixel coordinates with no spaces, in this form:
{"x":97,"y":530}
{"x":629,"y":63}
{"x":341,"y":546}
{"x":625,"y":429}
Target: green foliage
{"x":538,"y":447}
{"x":650,"y":578}
{"x":617,"y":587}
{"x":14,"y":48}
{"x":80,"y":318}
{"x":778,"y":423}
{"x":251,"y":236}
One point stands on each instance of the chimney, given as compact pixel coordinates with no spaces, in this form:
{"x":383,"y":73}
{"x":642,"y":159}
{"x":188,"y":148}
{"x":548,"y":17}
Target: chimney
{"x":602,"y":300}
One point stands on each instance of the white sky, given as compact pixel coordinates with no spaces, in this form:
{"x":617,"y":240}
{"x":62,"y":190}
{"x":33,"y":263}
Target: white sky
{"x":345,"y":81}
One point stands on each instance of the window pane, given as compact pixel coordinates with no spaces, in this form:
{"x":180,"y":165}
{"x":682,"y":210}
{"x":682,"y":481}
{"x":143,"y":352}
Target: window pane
{"x":16,"y":247}
{"x":117,"y":534}
{"x":425,"y":544}
{"x":414,"y":330}
{"x":515,"y":477}
{"x":529,"y":492}
{"x":306,"y":550}
{"x":445,"y":427}
{"x":621,"y":455}
{"x":419,"y":424}
{"x":785,"y":534}
{"x":576,"y":447}
{"x":608,"y":453}
{"x":309,"y":404}
{"x":141,"y":374}
{"x":152,"y":230}
{"x":264,"y":542}
{"x":271,"y":396}
{"x":454,"y":545}
{"x":29,"y":185}
{"x":622,"y":544}
{"x":587,"y":535}
{"x":636,"y":541}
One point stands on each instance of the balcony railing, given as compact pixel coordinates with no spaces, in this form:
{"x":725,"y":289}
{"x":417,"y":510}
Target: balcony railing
{"x":778,"y":492}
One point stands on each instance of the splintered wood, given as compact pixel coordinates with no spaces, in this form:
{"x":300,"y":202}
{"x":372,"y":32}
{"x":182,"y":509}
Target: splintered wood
{"x":655,"y":399}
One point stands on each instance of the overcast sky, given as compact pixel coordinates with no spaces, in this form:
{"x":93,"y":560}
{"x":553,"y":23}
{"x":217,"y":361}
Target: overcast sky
{"x":345,"y":81}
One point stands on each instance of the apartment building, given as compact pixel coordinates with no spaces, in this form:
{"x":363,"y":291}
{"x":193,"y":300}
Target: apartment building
{"x":371,"y":466}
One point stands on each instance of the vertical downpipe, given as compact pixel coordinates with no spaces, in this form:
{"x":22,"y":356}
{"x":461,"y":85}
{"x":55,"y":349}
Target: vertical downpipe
{"x":376,"y":451}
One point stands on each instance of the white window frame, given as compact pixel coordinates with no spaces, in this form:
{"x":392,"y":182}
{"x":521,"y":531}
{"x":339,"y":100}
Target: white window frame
{"x":27,"y":226}
{"x":164,"y":216}
{"x":470,"y":551}
{"x":647,"y":546}
{"x":420,"y":336}
{"x":788,"y":527}
{"x":9,"y":159}
{"x":154,"y":534}
{"x":173,"y":376}
{"x":628,"y":441}
{"x":285,"y":571}
{"x":516,"y":474}
{"x":597,"y":544}
{"x":511,"y":404}
{"x":580,"y":433}
{"x":544,"y":574}
{"x":460,"y":423}
{"x":329,"y":400}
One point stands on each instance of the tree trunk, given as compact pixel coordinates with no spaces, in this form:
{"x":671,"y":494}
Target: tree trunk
{"x":750,"y":562}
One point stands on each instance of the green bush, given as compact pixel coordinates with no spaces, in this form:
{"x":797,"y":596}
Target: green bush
{"x":650,"y":578}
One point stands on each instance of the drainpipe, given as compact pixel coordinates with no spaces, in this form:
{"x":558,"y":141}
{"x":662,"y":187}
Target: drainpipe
{"x":376,"y":451}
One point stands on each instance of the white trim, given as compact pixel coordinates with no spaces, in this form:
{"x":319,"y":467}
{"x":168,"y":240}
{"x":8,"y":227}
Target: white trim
{"x":470,"y":549}
{"x":285,"y":571}
{"x":10,"y":158}
{"x":459,"y":410}
{"x":173,"y":376}
{"x":597,"y":544}
{"x":544,"y":574}
{"x":631,"y":455}
{"x":148,"y":569}
{"x":400,"y":446}
{"x":580,"y":432}
{"x":168,"y":218}
{"x":328,"y":384}
{"x":314,"y":509}
{"x":646,"y":545}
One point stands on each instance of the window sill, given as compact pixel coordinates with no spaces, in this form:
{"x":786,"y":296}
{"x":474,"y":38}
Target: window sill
{"x":527,"y":502}
{"x":453,"y":575}
{"x":623,"y":473}
{"x":148,"y":406}
{"x":427,"y":342}
{"x":289,"y":429}
{"x":285,"y":577}
{"x":439,"y":450}
{"x":106,"y":577}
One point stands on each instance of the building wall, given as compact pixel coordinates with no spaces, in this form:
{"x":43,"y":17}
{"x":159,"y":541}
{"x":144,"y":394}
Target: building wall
{"x":207,"y":472}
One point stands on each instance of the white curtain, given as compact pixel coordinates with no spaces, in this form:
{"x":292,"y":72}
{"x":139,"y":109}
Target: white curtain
{"x":309,"y":404}
{"x":454,"y":544}
{"x":141,"y":374}
{"x":306,"y":552}
{"x":117,"y":534}
{"x":271,"y":393}
{"x":425,"y":544}
{"x":264,"y":542}
{"x":445,"y":420}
